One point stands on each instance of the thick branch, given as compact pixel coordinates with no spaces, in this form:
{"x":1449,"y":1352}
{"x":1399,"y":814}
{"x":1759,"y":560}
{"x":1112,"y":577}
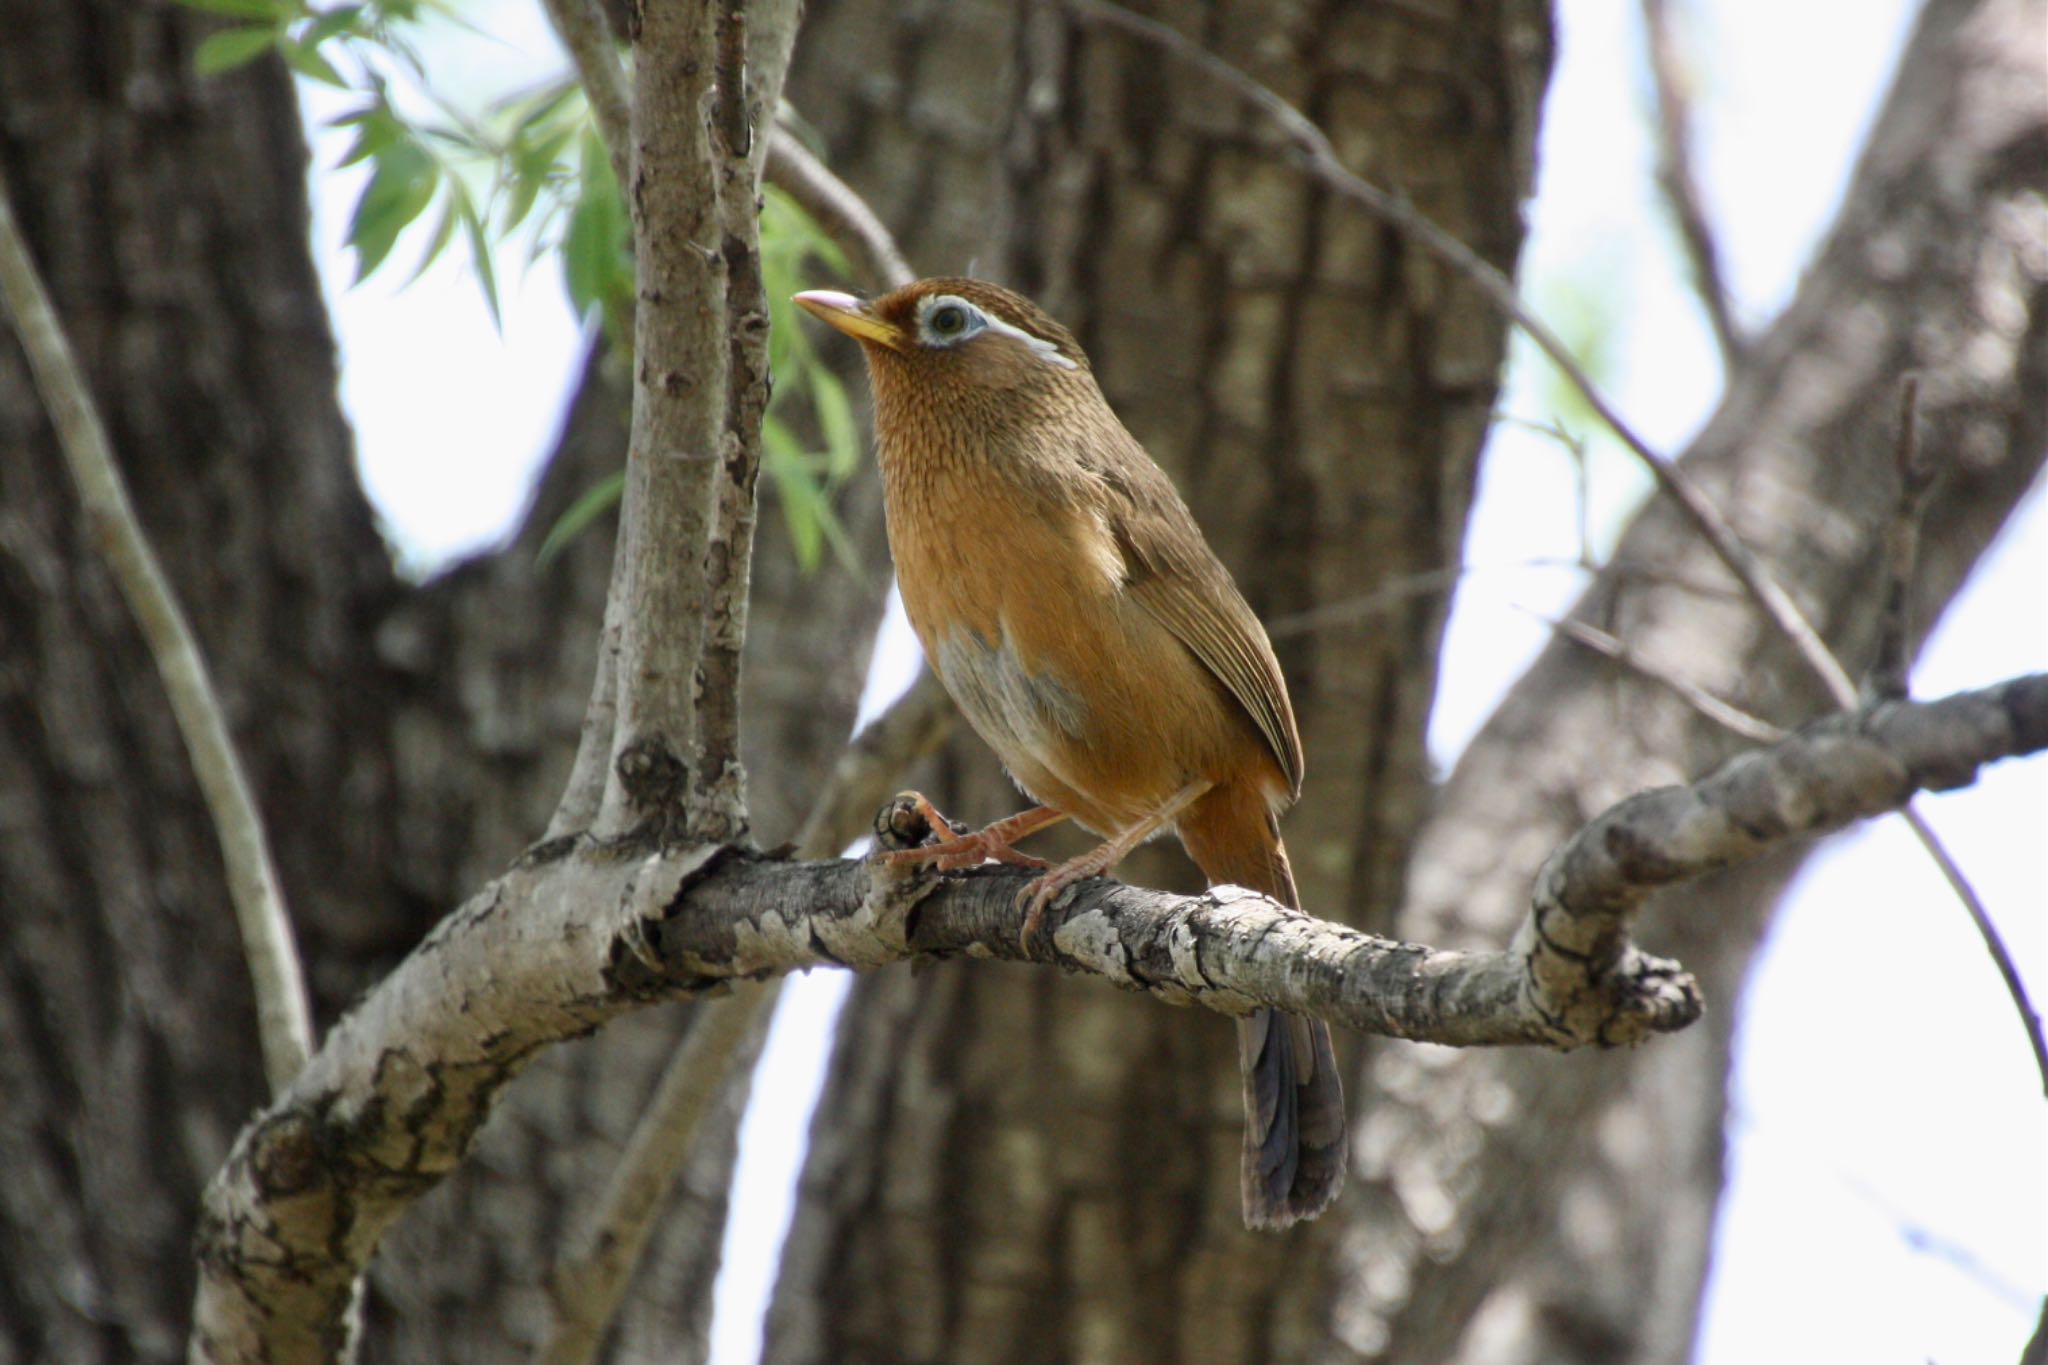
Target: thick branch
{"x":583,"y":930}
{"x":679,"y":407}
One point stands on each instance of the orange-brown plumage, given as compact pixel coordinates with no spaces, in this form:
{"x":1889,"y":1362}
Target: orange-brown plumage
{"x":1068,"y":601}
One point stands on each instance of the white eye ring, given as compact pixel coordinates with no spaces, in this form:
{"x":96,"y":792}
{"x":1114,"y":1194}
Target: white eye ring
{"x":972,"y":323}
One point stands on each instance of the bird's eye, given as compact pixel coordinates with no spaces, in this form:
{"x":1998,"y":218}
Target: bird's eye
{"x":948,"y":320}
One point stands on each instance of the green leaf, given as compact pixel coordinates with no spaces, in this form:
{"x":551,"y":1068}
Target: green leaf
{"x":307,"y":61}
{"x":341,"y":19}
{"x":835,"y":423}
{"x":401,"y":186}
{"x":596,"y":268}
{"x":276,"y":11}
{"x":589,"y":505}
{"x":444,"y":230}
{"x":233,"y":47}
{"x":479,"y":252}
{"x":376,"y":128}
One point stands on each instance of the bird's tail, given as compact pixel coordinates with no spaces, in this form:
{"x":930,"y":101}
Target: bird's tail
{"x":1293,"y":1101}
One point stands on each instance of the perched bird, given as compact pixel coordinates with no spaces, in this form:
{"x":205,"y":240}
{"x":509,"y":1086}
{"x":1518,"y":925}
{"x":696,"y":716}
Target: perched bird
{"x":1067,"y":600}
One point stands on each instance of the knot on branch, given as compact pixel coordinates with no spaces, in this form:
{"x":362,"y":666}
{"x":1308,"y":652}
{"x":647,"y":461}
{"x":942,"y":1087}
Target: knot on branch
{"x":653,"y":774}
{"x":1648,"y":995}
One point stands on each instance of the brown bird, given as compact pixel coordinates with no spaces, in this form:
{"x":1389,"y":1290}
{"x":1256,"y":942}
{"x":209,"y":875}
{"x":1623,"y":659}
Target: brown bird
{"x":1068,"y":602}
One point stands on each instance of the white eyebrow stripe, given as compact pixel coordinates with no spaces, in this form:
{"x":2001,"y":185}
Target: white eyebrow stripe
{"x":1046,"y":350}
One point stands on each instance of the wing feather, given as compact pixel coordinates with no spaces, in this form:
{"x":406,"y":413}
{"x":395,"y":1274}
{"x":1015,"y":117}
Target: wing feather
{"x":1172,"y":574}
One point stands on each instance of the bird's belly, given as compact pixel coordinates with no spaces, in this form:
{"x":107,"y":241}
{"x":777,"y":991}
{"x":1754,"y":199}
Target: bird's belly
{"x":1031,"y":719}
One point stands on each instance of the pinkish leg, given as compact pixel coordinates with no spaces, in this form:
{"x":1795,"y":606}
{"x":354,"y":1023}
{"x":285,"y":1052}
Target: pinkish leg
{"x":970,"y":850}
{"x":1040,"y":891}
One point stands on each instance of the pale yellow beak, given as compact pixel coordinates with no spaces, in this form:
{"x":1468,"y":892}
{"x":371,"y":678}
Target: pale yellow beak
{"x":851,"y":316}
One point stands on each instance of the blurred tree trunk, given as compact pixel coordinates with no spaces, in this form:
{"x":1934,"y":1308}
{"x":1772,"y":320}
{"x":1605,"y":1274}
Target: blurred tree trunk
{"x":404,"y":741}
{"x":1008,"y":1165}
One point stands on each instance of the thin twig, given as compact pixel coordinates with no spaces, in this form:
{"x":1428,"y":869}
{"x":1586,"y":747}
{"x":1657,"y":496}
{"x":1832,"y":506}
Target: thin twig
{"x":1888,"y":675}
{"x":283,"y":1018}
{"x":588,"y":38}
{"x":1733,"y":719}
{"x":1994,"y":942}
{"x":1889,"y":682}
{"x":1313,"y":150}
{"x":591,"y":1277}
{"x":1680,"y":186}
{"x":839,"y":212}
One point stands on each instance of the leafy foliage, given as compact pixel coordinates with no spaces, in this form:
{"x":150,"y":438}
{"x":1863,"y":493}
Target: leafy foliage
{"x":533,"y":167}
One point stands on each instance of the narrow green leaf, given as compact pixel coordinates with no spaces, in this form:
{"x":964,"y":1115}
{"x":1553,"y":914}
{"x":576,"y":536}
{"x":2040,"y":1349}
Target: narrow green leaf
{"x":276,"y":11}
{"x":444,"y":230}
{"x":589,"y":505}
{"x":835,"y":423}
{"x":401,"y":186}
{"x":595,"y":267}
{"x":233,"y":47}
{"x":479,"y":253}
{"x":307,"y":61}
{"x":333,"y":23}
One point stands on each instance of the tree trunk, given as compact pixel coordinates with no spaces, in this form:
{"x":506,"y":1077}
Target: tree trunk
{"x":1009,"y":1166}
{"x":403,"y":742}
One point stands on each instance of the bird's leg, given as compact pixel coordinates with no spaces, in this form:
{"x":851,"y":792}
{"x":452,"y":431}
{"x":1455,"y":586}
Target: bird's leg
{"x":1038,"y":893}
{"x":958,"y":850}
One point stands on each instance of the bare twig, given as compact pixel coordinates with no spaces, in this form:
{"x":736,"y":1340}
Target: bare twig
{"x":1888,"y":682}
{"x":283,"y":1018}
{"x":1994,"y":942}
{"x":838,"y":211}
{"x":1733,"y":719}
{"x":588,"y":38}
{"x":872,"y":766}
{"x":1680,"y":186}
{"x":591,"y":1277}
{"x":1888,"y":674}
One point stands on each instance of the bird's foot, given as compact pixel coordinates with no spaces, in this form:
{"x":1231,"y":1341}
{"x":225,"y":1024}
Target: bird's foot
{"x":956,"y":848}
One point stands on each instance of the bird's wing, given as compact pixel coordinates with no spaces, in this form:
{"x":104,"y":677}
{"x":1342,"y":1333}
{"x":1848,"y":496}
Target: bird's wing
{"x":1173,"y":575}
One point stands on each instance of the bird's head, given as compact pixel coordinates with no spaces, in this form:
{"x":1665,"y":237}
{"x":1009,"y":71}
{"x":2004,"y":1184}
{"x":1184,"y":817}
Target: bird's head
{"x":953,"y":335}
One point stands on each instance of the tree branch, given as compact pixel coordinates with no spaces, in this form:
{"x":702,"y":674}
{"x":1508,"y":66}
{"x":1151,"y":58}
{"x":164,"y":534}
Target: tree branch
{"x":588,"y":39}
{"x":839,"y":212}
{"x":584,"y":929}
{"x":720,"y":800}
{"x":1680,"y":186}
{"x":679,"y":407}
{"x":284,"y":1019}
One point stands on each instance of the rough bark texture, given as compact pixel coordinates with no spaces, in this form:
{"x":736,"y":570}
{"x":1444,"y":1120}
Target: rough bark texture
{"x":168,"y":217}
{"x":404,"y":742}
{"x":1018,"y":1167}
